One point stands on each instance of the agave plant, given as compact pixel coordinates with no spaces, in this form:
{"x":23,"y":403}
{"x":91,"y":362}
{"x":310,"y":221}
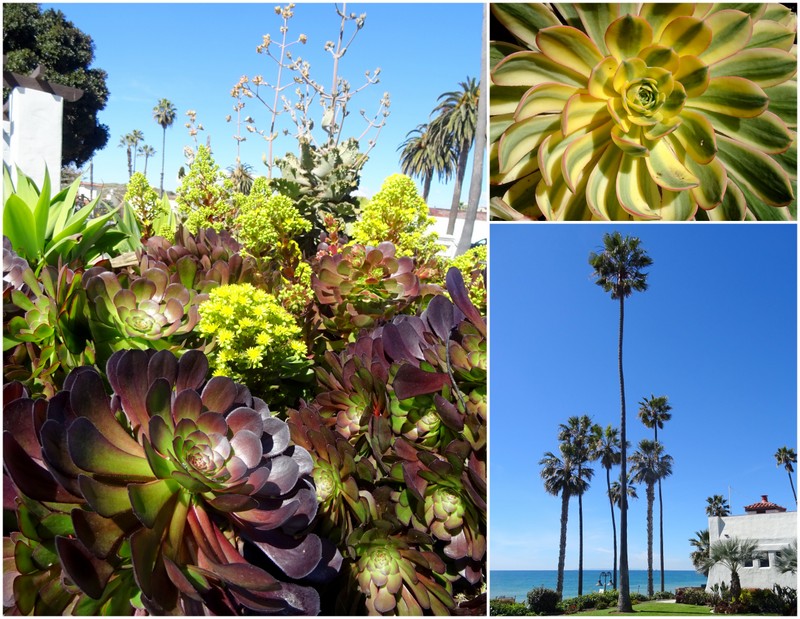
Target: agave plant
{"x":176,"y":495}
{"x":665,"y":111}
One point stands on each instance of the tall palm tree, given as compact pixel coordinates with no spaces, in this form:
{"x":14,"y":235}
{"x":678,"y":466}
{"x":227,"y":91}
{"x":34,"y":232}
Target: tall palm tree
{"x":578,"y":435}
{"x":618,"y":269}
{"x":732,"y":553}
{"x":136,"y":137}
{"x":615,"y":493}
{"x":654,"y":412}
{"x":422,"y":155}
{"x":457,"y":119}
{"x":606,"y":451}
{"x":717,"y":505}
{"x":241,"y":175}
{"x":560,"y":478}
{"x":125,"y":142}
{"x":649,"y":463}
{"x":700,"y":556}
{"x":164,"y":114}
{"x":785,"y":456}
{"x":146,"y":151}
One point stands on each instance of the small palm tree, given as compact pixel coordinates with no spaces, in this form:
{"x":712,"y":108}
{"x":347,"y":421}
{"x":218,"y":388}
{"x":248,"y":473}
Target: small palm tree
{"x":146,"y":151}
{"x":785,"y":456}
{"x":606,"y":451}
{"x":786,"y":559}
{"x":457,"y":119}
{"x":560,"y":478}
{"x":732,"y":553}
{"x":615,"y":493}
{"x":136,"y":137}
{"x":717,"y":505}
{"x":649,"y":463}
{"x":164,"y":114}
{"x":578,"y":435}
{"x":241,"y":175}
{"x":653,"y":412}
{"x":619,"y":269}
{"x":699,"y":556}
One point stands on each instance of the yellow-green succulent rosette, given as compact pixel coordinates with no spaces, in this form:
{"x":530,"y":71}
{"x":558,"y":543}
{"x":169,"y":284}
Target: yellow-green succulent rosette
{"x":644,"y":111}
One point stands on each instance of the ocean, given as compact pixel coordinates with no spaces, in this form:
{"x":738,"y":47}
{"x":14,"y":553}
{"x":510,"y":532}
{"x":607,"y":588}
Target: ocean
{"x":517,"y":583}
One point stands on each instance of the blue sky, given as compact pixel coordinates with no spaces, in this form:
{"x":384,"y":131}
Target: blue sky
{"x":194,"y":53}
{"x":716,"y":332}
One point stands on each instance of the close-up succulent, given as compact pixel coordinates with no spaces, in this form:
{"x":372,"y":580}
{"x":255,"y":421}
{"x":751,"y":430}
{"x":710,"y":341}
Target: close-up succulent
{"x":176,"y":494}
{"x":665,"y":111}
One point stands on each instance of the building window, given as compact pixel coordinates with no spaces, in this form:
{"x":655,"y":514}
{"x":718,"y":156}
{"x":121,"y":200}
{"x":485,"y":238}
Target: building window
{"x":763,"y":560}
{"x":748,"y":563}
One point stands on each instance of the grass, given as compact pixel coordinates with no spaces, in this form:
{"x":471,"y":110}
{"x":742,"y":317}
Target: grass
{"x":654,"y":609}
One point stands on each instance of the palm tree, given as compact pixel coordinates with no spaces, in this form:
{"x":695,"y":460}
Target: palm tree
{"x":578,"y":435}
{"x":422,"y":156}
{"x":457,"y":120}
{"x":146,"y":151}
{"x":618,"y":270}
{"x":615,"y":493}
{"x":786,"y":559}
{"x":654,"y":412}
{"x":559,"y":476}
{"x":241,"y":175}
{"x":649,"y":463}
{"x":136,"y":136}
{"x":717,"y":505}
{"x":125,"y":142}
{"x":700,"y":555}
{"x":606,"y":451}
{"x":732,"y":553}
{"x":785,"y":456}
{"x":164,"y":114}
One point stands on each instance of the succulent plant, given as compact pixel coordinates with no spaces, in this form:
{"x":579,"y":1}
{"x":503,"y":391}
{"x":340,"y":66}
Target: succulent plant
{"x":47,"y":333}
{"x":397,"y":433}
{"x":665,"y":111}
{"x":140,"y":311}
{"x":177,"y":494}
{"x":257,"y":340}
{"x":203,"y":197}
{"x":360,"y":286}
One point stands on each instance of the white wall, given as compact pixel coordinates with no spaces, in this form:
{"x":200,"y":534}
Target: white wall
{"x":33,"y":137}
{"x":771,"y":531}
{"x":479,"y":231}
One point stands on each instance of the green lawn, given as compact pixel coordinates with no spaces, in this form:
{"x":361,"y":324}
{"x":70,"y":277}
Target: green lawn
{"x":655,"y":608}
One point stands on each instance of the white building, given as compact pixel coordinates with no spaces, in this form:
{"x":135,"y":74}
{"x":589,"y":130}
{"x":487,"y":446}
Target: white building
{"x":772,"y":527}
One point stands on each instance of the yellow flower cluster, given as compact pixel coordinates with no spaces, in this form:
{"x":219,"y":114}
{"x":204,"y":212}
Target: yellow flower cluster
{"x":251,"y":331}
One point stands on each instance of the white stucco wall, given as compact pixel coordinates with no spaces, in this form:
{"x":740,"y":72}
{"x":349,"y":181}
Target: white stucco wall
{"x":479,"y":231}
{"x":771,"y":531}
{"x":33,"y":139}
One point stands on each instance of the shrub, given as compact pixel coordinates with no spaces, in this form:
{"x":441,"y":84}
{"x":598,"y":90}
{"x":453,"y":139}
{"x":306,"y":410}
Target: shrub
{"x":398,"y":214}
{"x":788,"y":597}
{"x":543,"y":601}
{"x":591,"y":600}
{"x":505,"y":608}
{"x":694,"y":595}
{"x":663,"y":595}
{"x":152,"y":213}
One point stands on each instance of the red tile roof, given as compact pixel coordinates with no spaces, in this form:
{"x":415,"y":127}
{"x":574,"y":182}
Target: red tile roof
{"x":764,"y":505}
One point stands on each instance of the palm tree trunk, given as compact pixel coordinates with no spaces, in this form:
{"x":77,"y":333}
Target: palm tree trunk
{"x":426,"y":187}
{"x":562,"y":545}
{"x":163,"y":143}
{"x":476,"y":181}
{"x":650,"y":501}
{"x":661,"y":532}
{"x":613,"y":527}
{"x":461,"y":168}
{"x":130,"y":165}
{"x":736,"y":586}
{"x":792,"y":484}
{"x":580,"y":539}
{"x":624,"y":603}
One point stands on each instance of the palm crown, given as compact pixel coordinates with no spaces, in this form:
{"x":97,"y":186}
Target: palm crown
{"x":618,"y":268}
